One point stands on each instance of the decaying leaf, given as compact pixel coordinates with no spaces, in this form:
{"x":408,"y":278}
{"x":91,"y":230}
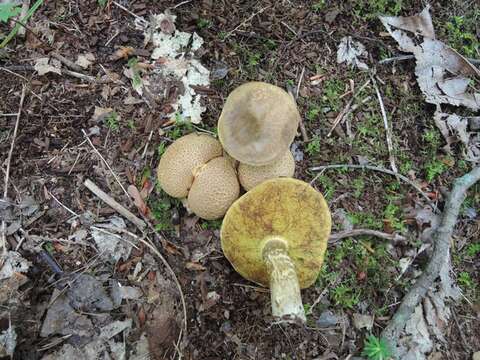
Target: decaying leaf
{"x":442,"y":73}
{"x":85,"y":60}
{"x":13,"y":263}
{"x":8,"y":342}
{"x":112,"y":243}
{"x":45,"y":65}
{"x":456,"y":128}
{"x":350,"y":52}
{"x":101,"y":113}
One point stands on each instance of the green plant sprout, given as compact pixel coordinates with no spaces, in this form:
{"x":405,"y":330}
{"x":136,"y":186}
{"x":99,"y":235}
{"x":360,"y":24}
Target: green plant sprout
{"x":8,"y":11}
{"x":376,"y":349}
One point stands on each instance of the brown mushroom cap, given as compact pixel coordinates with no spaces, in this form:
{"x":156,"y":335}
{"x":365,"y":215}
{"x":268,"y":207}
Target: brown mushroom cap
{"x":175,"y":171}
{"x":283,"y":208}
{"x":258,"y":123}
{"x":251,"y":176}
{"x":214,"y":189}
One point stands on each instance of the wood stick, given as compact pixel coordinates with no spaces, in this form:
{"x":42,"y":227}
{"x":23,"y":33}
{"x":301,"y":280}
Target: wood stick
{"x":441,"y":254}
{"x":378,"y":169}
{"x":114,"y":204}
{"x":335,"y":237}
{"x":3,"y":241}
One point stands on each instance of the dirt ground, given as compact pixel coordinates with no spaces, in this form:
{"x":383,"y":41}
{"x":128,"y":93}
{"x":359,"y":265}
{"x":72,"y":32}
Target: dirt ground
{"x":291,"y":44}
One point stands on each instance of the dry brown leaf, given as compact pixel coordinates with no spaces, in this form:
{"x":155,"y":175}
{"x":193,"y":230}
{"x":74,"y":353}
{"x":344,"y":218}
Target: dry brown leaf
{"x":138,"y":200}
{"x":442,"y":73}
{"x":122,"y":53}
{"x":195,"y":266}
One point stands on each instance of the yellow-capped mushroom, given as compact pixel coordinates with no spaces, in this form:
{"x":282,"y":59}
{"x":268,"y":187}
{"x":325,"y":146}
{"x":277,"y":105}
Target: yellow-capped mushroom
{"x":251,"y":176}
{"x":175,"y":171}
{"x":258,"y":123}
{"x":214,"y":189}
{"x":276,"y":235}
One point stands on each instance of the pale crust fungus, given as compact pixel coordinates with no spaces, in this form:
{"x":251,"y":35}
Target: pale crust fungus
{"x":276,"y":235}
{"x":258,"y":123}
{"x":214,"y":189}
{"x":175,"y":171}
{"x":251,"y":176}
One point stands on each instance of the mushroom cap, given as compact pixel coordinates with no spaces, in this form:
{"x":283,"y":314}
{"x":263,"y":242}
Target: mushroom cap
{"x":286,"y":208}
{"x":251,"y":176}
{"x":175,"y":170}
{"x":214,"y":189}
{"x":258,"y":123}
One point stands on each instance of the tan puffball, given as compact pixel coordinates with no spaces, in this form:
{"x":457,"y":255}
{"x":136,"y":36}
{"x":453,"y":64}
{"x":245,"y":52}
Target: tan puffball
{"x":251,"y":176}
{"x":214,"y":189}
{"x":175,"y":171}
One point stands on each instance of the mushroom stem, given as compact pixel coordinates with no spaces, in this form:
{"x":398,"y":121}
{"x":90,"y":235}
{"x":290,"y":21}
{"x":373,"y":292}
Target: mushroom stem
{"x":284,"y":287}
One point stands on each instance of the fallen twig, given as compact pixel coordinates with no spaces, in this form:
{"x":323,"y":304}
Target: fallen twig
{"x":114,"y":204}
{"x":139,"y":18}
{"x":335,"y":237}
{"x":303,"y":130}
{"x":3,"y":241}
{"x":378,"y":169}
{"x":441,"y":239}
{"x":349,"y":108}
{"x":105,"y":162}
{"x":388,"y":131}
{"x":71,"y":73}
{"x":175,"y":279}
{"x":244,"y":22}
{"x":68,"y":63}
{"x":410,"y":57}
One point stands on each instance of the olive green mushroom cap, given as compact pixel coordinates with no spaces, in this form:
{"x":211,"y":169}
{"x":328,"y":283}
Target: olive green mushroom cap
{"x":214,"y":189}
{"x":258,"y":123}
{"x":287,"y":208}
{"x":177,"y":164}
{"x":251,"y":176}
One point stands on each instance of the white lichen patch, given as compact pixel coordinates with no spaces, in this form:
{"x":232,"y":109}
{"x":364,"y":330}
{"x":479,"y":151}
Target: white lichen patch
{"x":175,"y":63}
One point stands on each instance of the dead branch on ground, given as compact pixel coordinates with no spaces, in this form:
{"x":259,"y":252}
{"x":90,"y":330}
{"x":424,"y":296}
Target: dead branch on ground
{"x":441,"y":240}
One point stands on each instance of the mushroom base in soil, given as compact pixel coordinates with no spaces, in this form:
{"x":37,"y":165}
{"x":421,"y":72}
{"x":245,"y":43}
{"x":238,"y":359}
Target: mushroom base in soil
{"x":276,"y":235}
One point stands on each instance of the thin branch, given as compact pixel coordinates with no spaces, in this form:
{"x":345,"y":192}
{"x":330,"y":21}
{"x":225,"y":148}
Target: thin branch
{"x":68,"y":63}
{"x":169,"y":268}
{"x":105,"y":162}
{"x":139,"y":18}
{"x":244,"y":22}
{"x":410,"y":57}
{"x":114,"y":204}
{"x":3,"y":242}
{"x":62,"y":205}
{"x":441,"y":253}
{"x":388,"y":131}
{"x":378,"y":169}
{"x":335,"y":237}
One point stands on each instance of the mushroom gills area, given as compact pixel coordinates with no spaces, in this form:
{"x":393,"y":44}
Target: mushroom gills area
{"x":284,"y":286}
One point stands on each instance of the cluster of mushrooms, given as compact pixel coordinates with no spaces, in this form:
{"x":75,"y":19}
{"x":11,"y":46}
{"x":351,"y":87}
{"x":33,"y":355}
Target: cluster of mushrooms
{"x":276,"y":233}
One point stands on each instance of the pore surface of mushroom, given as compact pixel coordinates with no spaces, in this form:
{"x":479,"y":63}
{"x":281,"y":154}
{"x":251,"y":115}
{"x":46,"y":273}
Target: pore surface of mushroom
{"x":276,"y":235}
{"x":251,"y":176}
{"x":214,"y":189}
{"x":258,"y":123}
{"x":175,"y":171}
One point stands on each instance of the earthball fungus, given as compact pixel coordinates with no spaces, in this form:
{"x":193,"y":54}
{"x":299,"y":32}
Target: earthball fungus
{"x":193,"y":167}
{"x":251,"y":176}
{"x":276,"y":235}
{"x":258,"y":123}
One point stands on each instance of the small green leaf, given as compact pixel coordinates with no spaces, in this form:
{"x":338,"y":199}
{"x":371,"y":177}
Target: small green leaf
{"x":8,"y":11}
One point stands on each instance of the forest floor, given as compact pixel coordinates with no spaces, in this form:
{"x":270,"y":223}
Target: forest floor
{"x":127,"y":303}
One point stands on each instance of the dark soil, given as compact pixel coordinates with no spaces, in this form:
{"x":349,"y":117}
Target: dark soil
{"x":51,"y":157}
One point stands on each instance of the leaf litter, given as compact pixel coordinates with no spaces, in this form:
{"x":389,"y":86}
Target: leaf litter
{"x":443,"y":75}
